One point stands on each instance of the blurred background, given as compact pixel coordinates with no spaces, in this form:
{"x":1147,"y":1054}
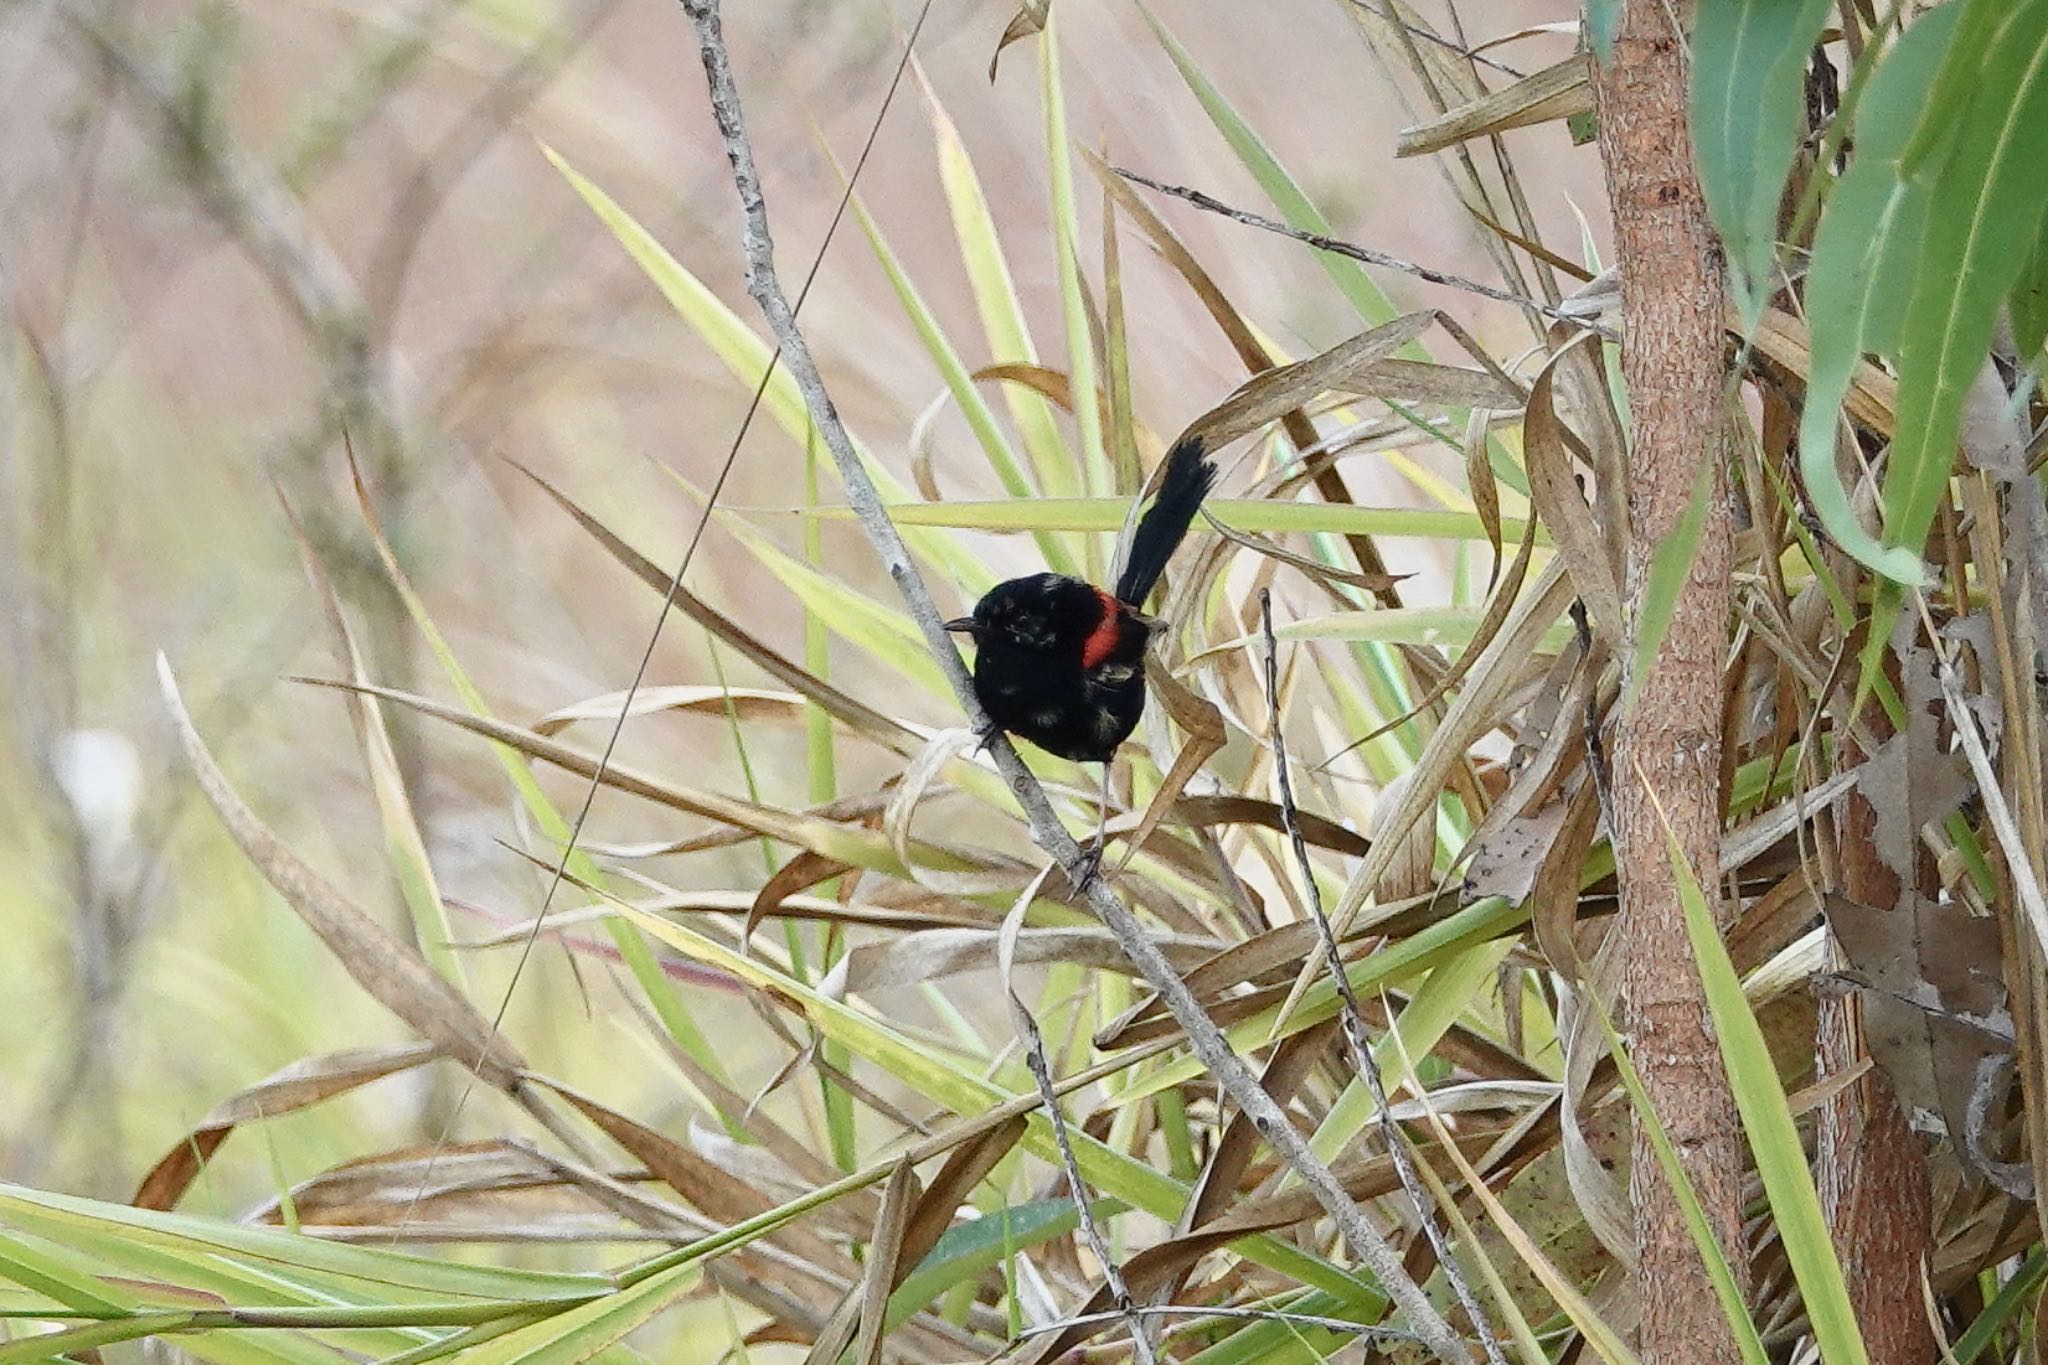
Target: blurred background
{"x":230,"y":230}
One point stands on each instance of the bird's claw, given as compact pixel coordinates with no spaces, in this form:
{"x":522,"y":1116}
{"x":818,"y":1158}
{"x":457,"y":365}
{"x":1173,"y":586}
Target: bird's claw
{"x":1087,"y":867}
{"x":985,"y":739}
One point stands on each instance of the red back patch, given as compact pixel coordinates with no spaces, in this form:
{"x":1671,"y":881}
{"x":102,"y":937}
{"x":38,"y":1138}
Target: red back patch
{"x":1108,"y":632}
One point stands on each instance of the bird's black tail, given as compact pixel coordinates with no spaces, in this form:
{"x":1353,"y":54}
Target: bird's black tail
{"x":1160,"y":531}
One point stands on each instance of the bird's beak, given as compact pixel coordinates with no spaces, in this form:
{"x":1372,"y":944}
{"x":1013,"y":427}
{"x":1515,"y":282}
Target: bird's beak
{"x":961,"y":625}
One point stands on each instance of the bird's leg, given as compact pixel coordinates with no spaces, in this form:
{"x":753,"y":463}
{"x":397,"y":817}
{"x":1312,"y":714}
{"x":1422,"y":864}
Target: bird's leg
{"x":1092,"y":852}
{"x":985,"y":738}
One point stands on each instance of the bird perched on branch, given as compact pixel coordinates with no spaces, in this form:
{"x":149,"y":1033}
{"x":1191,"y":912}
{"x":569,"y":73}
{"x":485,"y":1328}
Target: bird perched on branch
{"x":1061,"y":662}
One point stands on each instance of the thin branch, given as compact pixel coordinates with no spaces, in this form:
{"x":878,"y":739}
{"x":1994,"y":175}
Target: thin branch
{"x":1336,"y":246}
{"x":1204,"y":1038}
{"x":1041,"y":1072}
{"x":1352,"y":1018}
{"x":1470,"y":54}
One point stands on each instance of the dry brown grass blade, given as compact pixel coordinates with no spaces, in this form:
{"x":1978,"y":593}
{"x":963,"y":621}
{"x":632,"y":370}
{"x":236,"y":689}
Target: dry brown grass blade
{"x":702,"y":1183}
{"x":887,"y":1260}
{"x":499,"y":1190}
{"x":1224,"y":1172}
{"x":1422,"y":381}
{"x":1581,"y":540}
{"x":933,"y":954}
{"x":1277,"y":392}
{"x":1315,"y":569}
{"x":864,"y":719}
{"x":1252,"y":810}
{"x":306,"y":1082}
{"x":1498,"y":605}
{"x":1204,"y":726}
{"x":798,"y":830}
{"x":894,"y":919}
{"x":1556,"y":92}
{"x":1481,"y":484}
{"x":383,"y":964}
{"x":751,"y":704}
{"x":801,"y":873}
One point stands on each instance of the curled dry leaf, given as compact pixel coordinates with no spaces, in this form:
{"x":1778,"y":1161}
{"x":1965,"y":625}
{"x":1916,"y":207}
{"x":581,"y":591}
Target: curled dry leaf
{"x":383,"y":964}
{"x":1277,"y":392}
{"x":745,"y":703}
{"x":1556,"y":92}
{"x":305,"y":1082}
{"x":1028,"y":20}
{"x":1582,"y":542}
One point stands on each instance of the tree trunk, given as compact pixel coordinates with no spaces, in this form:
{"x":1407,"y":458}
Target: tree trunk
{"x":1871,"y":1170}
{"x":1669,"y":741}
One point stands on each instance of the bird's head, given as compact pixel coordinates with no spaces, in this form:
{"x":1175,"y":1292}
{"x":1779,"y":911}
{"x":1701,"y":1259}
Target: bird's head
{"x":1045,"y":613}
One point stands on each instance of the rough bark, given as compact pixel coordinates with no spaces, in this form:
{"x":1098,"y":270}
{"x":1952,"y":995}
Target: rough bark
{"x":1669,"y":742}
{"x":1871,"y":1170}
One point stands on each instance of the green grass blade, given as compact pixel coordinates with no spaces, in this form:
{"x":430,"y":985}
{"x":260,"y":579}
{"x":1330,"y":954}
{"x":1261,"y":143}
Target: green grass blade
{"x":1669,"y":566}
{"x":742,"y":352}
{"x":1066,"y":236}
{"x":1287,"y":195}
{"x":1726,"y":1290}
{"x":1773,"y":1136}
{"x":1002,"y":316}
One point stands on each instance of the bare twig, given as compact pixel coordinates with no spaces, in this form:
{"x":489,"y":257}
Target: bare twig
{"x":1204,"y":1038}
{"x":1349,"y":1014}
{"x":1041,"y":1072}
{"x":1336,"y":246}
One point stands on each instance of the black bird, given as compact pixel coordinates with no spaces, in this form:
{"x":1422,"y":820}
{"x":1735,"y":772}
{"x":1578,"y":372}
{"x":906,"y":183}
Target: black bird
{"x":1061,"y":662}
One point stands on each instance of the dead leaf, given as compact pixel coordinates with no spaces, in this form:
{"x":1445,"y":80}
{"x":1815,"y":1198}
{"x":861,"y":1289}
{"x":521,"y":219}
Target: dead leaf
{"x":1027,"y":21}
{"x":1556,"y":92}
{"x":304,"y":1083}
{"x":381,"y":963}
{"x":1934,"y":1002}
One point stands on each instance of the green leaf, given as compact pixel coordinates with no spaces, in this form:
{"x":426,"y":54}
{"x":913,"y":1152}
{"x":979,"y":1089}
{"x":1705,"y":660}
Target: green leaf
{"x":579,"y":1333}
{"x":959,"y":381}
{"x":85,"y":1223}
{"x":1864,"y":256}
{"x":2013,"y":1299}
{"x":1773,"y":1136}
{"x":966,"y":1250}
{"x":1987,"y":196}
{"x":1748,"y":89}
{"x":63,"y":1279}
{"x":1926,"y":236}
{"x":1603,"y":25}
{"x":2028,"y":300}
